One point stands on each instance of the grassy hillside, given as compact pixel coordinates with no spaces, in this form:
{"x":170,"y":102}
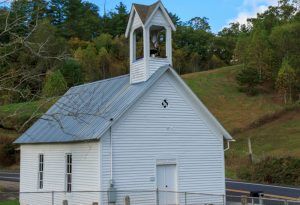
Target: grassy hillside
{"x":274,"y":129}
{"x":219,"y":92}
{"x":17,"y":117}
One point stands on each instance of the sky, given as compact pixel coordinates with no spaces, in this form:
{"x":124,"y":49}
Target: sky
{"x":219,"y":12}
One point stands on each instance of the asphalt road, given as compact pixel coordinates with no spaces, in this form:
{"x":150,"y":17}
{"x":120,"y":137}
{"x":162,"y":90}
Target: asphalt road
{"x":10,"y":176}
{"x":233,"y":187}
{"x":244,"y":188}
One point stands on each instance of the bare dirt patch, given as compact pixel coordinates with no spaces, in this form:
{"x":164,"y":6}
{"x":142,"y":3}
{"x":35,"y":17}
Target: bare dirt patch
{"x":9,"y":190}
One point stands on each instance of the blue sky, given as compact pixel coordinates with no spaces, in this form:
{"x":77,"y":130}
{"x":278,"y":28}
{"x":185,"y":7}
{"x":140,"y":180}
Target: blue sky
{"x":219,"y":12}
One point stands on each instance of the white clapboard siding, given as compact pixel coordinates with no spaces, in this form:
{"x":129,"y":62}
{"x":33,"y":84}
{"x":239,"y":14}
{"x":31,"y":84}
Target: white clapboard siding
{"x":159,"y":19}
{"x":148,"y":132}
{"x":85,"y":176}
{"x":138,"y":71}
{"x":136,"y":21}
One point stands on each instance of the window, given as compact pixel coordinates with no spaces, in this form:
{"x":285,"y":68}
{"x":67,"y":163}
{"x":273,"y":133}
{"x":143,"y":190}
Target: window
{"x":138,"y":44}
{"x":41,"y":172}
{"x":69,"y":172}
{"x":158,"y":42}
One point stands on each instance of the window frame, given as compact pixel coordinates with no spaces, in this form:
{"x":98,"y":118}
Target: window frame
{"x":41,"y":168}
{"x":69,"y":170}
{"x":136,"y":32}
{"x":163,"y":31}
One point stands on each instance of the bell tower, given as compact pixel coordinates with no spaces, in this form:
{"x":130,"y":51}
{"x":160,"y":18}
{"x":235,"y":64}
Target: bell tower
{"x":150,"y":37}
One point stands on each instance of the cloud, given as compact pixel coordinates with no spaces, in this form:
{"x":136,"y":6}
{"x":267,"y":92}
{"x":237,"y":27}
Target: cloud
{"x":250,"y":8}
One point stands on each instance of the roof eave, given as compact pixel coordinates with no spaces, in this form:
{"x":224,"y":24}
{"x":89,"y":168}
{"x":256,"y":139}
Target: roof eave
{"x":130,"y":21}
{"x":57,"y":142}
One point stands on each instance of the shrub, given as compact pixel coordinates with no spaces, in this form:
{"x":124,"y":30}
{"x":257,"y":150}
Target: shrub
{"x":285,"y":170}
{"x":71,"y":70}
{"x":286,"y":81}
{"x":55,"y":84}
{"x":215,"y":62}
{"x":248,"y":79}
{"x":8,"y":154}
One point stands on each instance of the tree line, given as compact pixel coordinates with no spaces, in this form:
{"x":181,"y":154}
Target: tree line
{"x":49,"y":46}
{"x":270,"y":52}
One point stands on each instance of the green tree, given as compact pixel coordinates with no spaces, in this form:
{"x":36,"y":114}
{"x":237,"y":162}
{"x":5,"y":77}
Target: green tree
{"x":286,"y":81}
{"x":176,"y":20}
{"x":195,"y":61}
{"x":198,"y":23}
{"x":104,"y":61}
{"x":193,"y":41}
{"x":286,"y":44}
{"x":248,"y":79}
{"x":225,"y":43}
{"x":259,"y":54}
{"x":240,"y":54}
{"x":71,"y":70}
{"x":82,"y":20}
{"x":89,"y":61}
{"x":105,"y":40}
{"x":55,"y":84}
{"x":215,"y":62}
{"x":57,"y":12}
{"x":115,"y":22}
{"x":179,"y":59}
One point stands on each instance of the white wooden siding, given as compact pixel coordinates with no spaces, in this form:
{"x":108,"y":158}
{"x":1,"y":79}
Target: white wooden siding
{"x":159,"y":18}
{"x":149,"y":133}
{"x":138,"y":71}
{"x":85,"y":173}
{"x":136,"y":21}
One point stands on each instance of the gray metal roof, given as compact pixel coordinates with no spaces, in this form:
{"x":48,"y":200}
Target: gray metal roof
{"x":87,"y":111}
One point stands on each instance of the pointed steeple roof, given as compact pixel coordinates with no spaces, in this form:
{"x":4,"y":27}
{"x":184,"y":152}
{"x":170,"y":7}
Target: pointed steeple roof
{"x":145,"y":13}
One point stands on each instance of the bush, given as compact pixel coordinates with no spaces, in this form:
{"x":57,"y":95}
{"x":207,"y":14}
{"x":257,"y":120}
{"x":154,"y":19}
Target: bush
{"x":8,"y":154}
{"x":285,"y":170}
{"x":55,"y":84}
{"x":248,"y":79}
{"x":71,"y":70}
{"x":215,"y":62}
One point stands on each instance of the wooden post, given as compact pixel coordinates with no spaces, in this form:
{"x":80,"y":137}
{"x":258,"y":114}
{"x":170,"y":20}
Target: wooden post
{"x":127,"y":200}
{"x":52,"y":197}
{"x":157,"y":196}
{"x":244,"y":200}
{"x":250,"y":150}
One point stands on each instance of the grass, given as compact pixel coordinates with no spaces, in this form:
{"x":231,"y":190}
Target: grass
{"x":278,"y":138}
{"x":238,"y":112}
{"x":13,"y":116}
{"x":219,"y":92}
{"x":13,"y":202}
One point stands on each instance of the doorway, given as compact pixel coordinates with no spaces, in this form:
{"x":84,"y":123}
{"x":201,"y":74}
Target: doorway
{"x":167,"y":184}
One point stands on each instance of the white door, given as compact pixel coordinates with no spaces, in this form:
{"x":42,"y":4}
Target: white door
{"x":167,"y":184}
